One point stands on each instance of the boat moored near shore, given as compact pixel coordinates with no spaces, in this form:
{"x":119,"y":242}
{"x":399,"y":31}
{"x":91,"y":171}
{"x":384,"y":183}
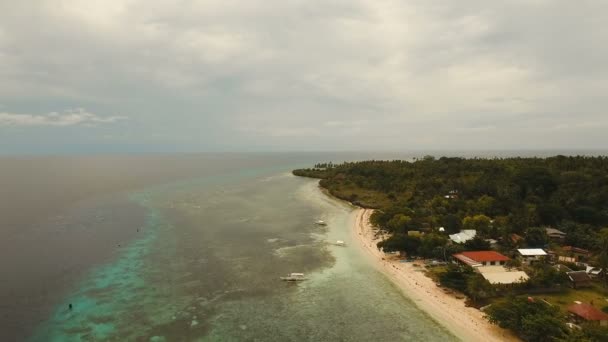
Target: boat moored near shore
{"x":294,"y":277}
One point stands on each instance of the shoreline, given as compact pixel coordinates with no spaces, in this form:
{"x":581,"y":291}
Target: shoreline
{"x":466,"y":323}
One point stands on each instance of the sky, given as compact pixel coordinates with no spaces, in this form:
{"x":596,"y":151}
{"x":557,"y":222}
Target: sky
{"x":134,"y":76}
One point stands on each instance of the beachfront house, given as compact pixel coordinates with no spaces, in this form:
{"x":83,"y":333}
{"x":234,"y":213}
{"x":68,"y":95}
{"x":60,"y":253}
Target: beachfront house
{"x":579,"y":279}
{"x":530,"y":256}
{"x":480,"y":258}
{"x":583,"y":312}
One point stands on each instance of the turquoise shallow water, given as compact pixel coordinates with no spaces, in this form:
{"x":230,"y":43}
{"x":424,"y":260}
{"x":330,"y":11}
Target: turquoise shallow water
{"x":206,"y":265}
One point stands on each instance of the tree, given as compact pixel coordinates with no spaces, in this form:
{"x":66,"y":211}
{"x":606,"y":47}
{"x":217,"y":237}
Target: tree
{"x":398,"y":223}
{"x":542,"y":327}
{"x":485,"y":204}
{"x":456,"y":277}
{"x":480,"y":223}
{"x":536,"y":237}
{"x":543,"y":275}
{"x":451,"y":223}
{"x":429,"y":244}
{"x":532,"y":320}
{"x":478,"y":288}
{"x":603,"y":255}
{"x":401,"y":243}
{"x":477,"y":244}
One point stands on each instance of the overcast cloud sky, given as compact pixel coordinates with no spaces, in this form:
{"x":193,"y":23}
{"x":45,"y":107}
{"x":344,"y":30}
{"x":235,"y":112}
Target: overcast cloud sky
{"x":265,"y":75}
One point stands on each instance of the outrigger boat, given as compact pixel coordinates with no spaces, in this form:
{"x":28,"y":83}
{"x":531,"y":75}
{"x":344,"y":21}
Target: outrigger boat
{"x":294,"y":277}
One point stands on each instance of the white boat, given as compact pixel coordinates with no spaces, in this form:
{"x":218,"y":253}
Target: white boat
{"x":294,"y":277}
{"x":321,"y":223}
{"x":340,"y":243}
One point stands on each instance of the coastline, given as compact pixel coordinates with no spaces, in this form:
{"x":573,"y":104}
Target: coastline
{"x":466,"y":323}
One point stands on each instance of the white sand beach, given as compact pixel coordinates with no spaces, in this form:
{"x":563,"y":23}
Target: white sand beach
{"x":466,"y":323}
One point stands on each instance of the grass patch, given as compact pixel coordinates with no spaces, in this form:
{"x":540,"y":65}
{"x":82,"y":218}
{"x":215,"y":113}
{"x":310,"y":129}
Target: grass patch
{"x":596,"y":295}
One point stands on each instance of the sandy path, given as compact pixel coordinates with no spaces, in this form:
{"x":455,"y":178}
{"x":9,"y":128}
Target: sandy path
{"x":466,"y":323}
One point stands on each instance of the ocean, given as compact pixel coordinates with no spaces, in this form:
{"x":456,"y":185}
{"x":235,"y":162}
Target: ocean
{"x":188,"y":248}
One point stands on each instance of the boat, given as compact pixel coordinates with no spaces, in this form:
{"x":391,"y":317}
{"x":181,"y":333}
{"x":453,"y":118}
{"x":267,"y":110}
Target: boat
{"x":340,"y":243}
{"x":321,"y":223}
{"x":294,"y":277}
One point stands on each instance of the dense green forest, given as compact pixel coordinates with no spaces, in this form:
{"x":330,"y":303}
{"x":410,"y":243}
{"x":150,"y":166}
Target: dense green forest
{"x":498,"y":197}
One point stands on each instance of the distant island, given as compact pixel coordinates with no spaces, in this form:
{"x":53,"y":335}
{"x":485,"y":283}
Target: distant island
{"x":525,"y":239}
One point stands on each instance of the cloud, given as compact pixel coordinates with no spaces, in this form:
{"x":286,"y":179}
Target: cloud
{"x":312,"y":74}
{"x":72,"y":117}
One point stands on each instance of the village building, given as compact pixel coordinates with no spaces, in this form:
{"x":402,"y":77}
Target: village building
{"x":481,"y":258}
{"x":578,"y":254}
{"x":516,"y":240}
{"x":463,"y":236}
{"x":579,"y":279}
{"x":555,"y":234}
{"x":530,"y":256}
{"x":583,"y":312}
{"x":594,"y":272}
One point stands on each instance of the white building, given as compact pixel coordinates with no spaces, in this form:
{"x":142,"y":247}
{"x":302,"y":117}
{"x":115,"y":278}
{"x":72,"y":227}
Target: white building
{"x":531,"y":255}
{"x":463,"y":236}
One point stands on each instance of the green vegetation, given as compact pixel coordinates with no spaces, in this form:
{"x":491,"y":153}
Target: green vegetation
{"x":563,"y":299}
{"x":497,"y":197}
{"x":538,"y":321}
{"x":532,"y":320}
{"x":509,"y":200}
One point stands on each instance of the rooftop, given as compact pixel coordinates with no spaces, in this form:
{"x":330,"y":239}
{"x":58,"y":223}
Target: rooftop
{"x":553,"y":231}
{"x":587,"y":312}
{"x":463,"y":236}
{"x":500,"y":275}
{"x":481,"y":256}
{"x":575,"y":250}
{"x":531,"y":251}
{"x":466,"y":260}
{"x":578,"y":276}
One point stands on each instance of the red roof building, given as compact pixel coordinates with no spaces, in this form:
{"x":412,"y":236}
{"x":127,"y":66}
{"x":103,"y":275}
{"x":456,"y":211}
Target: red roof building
{"x":481,"y":258}
{"x":588,"y":312}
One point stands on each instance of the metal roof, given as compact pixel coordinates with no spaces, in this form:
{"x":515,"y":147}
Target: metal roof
{"x":531,"y":251}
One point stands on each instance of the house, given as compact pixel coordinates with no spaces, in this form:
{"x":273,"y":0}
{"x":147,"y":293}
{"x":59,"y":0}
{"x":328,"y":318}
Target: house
{"x":583,"y":312}
{"x":555,"y":234}
{"x":516,"y":239}
{"x":578,"y":254}
{"x":579,"y":279}
{"x":480,"y":258}
{"x":594,"y":272}
{"x":463,"y":236}
{"x":531,"y":255}
{"x":452,"y":195}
